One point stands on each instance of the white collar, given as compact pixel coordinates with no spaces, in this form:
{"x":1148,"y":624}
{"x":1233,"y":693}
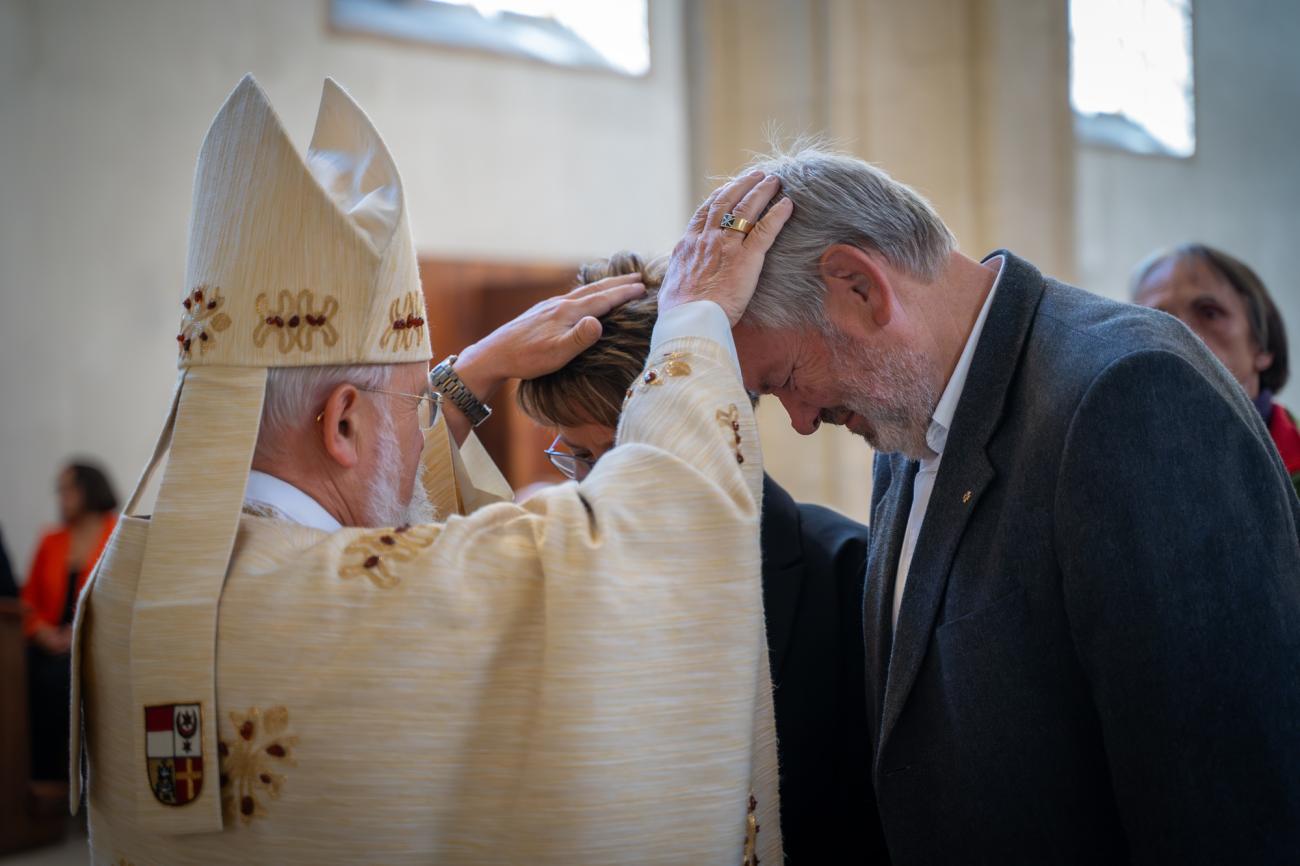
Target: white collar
{"x":941,"y":421}
{"x":289,"y":501}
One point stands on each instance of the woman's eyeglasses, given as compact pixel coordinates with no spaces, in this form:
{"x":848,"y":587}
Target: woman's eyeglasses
{"x":570,"y":465}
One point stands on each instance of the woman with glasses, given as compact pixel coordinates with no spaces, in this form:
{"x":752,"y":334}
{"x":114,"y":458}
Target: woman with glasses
{"x":813,"y":566}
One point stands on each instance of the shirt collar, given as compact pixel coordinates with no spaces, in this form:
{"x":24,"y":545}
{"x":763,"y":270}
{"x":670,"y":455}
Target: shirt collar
{"x":941,"y":421}
{"x":284,"y":498}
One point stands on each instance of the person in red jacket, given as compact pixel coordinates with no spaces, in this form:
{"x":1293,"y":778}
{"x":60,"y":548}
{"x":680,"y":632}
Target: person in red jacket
{"x":1226,"y":304}
{"x":64,"y":559}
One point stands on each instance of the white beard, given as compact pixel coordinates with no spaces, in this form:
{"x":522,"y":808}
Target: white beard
{"x":894,"y":395}
{"x":383,"y":505}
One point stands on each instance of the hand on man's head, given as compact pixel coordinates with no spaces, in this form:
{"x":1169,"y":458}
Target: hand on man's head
{"x":721,"y":264}
{"x":546,"y":336}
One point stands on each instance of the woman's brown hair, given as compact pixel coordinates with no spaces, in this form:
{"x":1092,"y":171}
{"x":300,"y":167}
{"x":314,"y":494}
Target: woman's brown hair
{"x":590,"y":388}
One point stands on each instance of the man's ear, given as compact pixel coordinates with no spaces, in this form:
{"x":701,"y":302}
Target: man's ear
{"x":338,"y":422}
{"x":857,"y":287}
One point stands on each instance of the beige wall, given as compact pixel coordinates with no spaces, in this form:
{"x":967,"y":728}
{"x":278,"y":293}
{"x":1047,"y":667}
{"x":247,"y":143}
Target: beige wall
{"x":103,"y":106}
{"x":1240,"y":191}
{"x":966,"y":100}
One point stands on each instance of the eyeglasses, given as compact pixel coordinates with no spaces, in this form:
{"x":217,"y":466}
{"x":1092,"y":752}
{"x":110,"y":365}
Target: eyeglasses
{"x":570,"y":465}
{"x":429,"y":404}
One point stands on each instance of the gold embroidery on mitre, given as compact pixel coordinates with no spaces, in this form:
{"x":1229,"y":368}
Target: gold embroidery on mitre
{"x":406,"y":325}
{"x":203,"y":318}
{"x":296,"y":320}
{"x":373,"y":555}
{"x":258,"y":747}
{"x":752,"y":829}
{"x":730,"y":420}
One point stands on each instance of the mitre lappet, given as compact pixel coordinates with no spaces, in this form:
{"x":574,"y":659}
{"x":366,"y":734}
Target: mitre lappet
{"x":292,"y":262}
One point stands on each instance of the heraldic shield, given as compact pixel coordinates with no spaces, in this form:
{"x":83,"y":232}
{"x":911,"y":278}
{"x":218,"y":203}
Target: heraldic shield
{"x":174,"y":752}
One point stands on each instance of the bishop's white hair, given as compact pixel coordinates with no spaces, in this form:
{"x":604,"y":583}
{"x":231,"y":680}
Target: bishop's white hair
{"x":295,"y":395}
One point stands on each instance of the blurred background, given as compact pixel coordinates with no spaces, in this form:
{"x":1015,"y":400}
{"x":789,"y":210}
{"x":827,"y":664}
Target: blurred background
{"x":534,"y":135}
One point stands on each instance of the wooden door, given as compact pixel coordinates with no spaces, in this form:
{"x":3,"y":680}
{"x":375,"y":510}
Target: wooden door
{"x":467,"y":300}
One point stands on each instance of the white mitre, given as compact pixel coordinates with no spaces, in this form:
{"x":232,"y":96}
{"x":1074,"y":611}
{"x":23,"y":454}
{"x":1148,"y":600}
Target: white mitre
{"x":292,"y":262}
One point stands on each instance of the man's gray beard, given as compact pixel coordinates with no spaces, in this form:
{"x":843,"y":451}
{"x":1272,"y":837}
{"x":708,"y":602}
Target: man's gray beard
{"x":892,"y":392}
{"x":383,"y":504}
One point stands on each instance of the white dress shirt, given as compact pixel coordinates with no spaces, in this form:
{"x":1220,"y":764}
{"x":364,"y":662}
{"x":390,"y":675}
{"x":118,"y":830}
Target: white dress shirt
{"x":288,"y":502}
{"x":937,"y":437}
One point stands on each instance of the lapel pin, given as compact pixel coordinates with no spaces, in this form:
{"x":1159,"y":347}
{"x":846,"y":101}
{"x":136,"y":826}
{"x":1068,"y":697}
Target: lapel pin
{"x":965,"y":497}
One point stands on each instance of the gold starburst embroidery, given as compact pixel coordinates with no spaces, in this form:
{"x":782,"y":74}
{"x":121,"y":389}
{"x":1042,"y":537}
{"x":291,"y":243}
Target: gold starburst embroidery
{"x":296,"y":320}
{"x":250,"y":759}
{"x":730,"y":419}
{"x":406,"y":323}
{"x":203,"y":318}
{"x":674,"y":365}
{"x":752,"y":829}
{"x":373,"y":555}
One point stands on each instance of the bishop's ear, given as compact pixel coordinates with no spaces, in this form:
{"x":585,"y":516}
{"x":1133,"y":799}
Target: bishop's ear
{"x":859,"y":295}
{"x":338,"y":425}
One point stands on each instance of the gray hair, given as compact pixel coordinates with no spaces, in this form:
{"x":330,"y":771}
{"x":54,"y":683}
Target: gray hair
{"x":294,"y":395}
{"x":839,"y":199}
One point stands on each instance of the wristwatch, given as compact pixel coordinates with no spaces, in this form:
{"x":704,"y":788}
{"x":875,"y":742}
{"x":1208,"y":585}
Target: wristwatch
{"x":444,"y":381}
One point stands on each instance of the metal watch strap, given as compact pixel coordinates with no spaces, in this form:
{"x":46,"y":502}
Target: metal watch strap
{"x":444,"y":381}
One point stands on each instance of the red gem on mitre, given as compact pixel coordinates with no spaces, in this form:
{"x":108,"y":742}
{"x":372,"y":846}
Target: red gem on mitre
{"x":293,"y":321}
{"x":198,"y":294}
{"x":399,"y":325}
{"x":186,"y":303}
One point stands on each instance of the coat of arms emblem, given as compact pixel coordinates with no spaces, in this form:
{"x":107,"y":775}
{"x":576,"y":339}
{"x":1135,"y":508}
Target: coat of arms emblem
{"x":174,"y":752}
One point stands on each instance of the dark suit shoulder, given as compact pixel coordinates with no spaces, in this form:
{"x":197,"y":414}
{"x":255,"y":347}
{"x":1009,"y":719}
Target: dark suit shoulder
{"x":1079,"y":333}
{"x":842,"y":539}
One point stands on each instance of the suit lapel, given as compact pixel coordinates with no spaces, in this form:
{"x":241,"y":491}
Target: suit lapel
{"x":964,"y":475}
{"x":962,"y":479}
{"x":888,"y":524}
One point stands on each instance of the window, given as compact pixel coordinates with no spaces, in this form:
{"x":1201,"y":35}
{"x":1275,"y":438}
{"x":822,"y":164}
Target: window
{"x":595,"y":34}
{"x":1131,"y":82}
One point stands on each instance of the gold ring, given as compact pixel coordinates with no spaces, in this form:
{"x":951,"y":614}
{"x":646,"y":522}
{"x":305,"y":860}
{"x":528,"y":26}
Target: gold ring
{"x":737,"y":224}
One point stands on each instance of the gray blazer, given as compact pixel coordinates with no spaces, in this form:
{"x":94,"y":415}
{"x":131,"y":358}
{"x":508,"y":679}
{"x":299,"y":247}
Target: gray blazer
{"x":1097,"y":658}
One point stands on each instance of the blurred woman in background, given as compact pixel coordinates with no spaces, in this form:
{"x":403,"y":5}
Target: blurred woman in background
{"x":64,"y":559}
{"x":1226,"y":304}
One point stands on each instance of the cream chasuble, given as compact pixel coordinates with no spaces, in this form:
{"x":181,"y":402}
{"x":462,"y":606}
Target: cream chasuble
{"x":578,"y":680}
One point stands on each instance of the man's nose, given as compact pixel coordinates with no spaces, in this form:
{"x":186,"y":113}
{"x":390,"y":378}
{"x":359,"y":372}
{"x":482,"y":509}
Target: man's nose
{"x":804,"y":419}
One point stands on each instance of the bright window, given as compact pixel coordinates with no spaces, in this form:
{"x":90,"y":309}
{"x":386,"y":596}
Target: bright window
{"x":1131,"y":83}
{"x":600,"y":34}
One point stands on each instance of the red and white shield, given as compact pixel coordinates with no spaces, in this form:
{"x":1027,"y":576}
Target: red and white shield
{"x":174,"y":752}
